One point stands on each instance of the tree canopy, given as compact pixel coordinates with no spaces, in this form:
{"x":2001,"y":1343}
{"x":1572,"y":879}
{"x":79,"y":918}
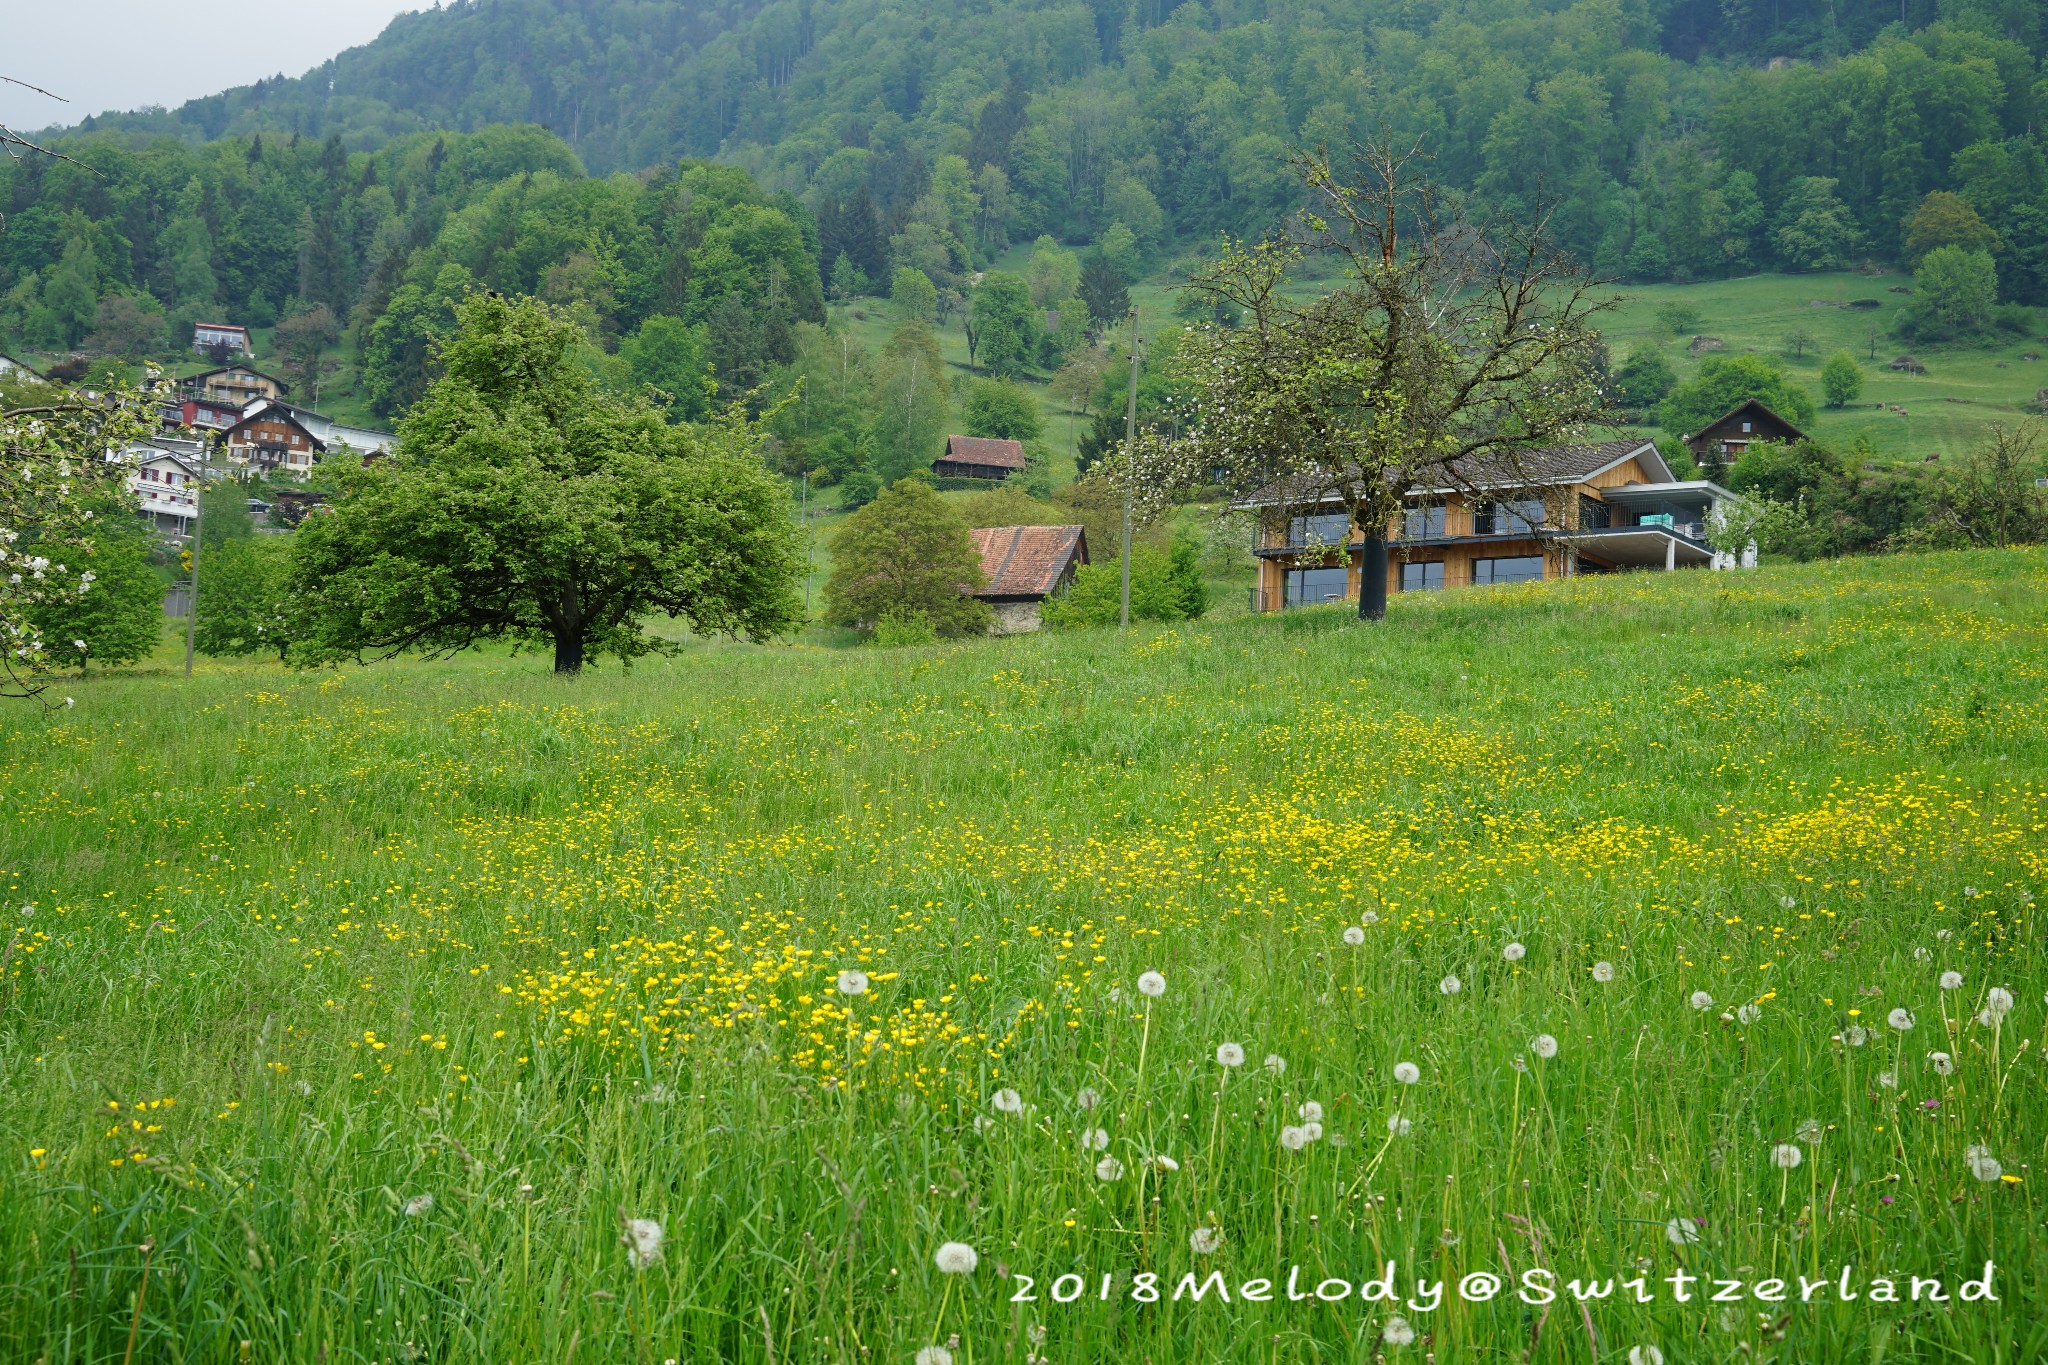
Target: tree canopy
{"x":907,"y":553}
{"x":1726,"y":380}
{"x":532,"y":506}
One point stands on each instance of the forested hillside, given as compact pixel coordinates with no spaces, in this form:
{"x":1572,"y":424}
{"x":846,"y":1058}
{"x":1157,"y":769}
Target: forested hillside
{"x":1686,"y":138}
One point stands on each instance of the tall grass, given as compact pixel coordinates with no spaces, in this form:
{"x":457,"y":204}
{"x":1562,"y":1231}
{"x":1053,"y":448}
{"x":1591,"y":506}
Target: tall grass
{"x":376,"y":1001}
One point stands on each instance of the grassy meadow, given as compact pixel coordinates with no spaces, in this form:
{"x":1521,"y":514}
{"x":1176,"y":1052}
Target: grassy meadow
{"x":356,"y":1016}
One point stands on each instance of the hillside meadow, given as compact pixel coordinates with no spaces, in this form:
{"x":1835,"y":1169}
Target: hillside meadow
{"x":1607,"y":930}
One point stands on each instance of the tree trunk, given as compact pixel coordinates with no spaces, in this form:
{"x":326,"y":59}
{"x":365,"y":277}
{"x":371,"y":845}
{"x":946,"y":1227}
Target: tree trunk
{"x":1372,"y":580}
{"x":568,"y":653}
{"x":568,"y":623}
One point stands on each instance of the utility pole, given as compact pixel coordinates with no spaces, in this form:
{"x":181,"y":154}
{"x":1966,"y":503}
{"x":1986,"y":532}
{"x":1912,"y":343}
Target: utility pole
{"x":192,"y":593}
{"x":804,"y":515}
{"x":1130,"y":440}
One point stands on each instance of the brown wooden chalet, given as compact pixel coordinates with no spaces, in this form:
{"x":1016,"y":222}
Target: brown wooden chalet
{"x":1739,"y":428}
{"x":979,"y":457}
{"x":1547,"y":514}
{"x":1024,"y":565}
{"x":270,"y":438}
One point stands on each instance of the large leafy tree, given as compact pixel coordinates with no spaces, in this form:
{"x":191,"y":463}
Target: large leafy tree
{"x":907,"y":553}
{"x":245,"y":608}
{"x":527,"y":504}
{"x":1452,"y":347}
{"x":1003,"y":323}
{"x":121,"y":618}
{"x":1724,"y":381}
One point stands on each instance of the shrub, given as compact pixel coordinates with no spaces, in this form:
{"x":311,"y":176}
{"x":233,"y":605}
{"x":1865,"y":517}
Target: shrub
{"x":904,"y":626}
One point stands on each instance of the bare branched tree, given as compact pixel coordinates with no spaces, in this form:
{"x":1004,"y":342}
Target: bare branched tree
{"x":14,"y":143}
{"x":1453,"y":351}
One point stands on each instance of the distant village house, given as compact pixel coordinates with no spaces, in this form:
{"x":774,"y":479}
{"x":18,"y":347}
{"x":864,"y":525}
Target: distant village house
{"x":269,"y":438}
{"x":1736,"y":430}
{"x":210,"y":336}
{"x":1024,"y":565}
{"x":979,"y":457}
{"x":238,"y":384}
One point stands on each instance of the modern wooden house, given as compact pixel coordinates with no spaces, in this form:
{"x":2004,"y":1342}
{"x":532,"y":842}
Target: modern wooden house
{"x":1561,"y":511}
{"x":207,"y":335}
{"x":1024,"y":565}
{"x":270,"y":438}
{"x":1739,"y":428}
{"x":979,"y":457}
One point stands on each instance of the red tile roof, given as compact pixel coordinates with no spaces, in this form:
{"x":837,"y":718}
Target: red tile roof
{"x":985,"y":450}
{"x":1028,"y":561}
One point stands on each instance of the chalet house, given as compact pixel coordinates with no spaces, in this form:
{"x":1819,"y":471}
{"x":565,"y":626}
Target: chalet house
{"x":200,"y":414}
{"x":1737,"y":429}
{"x":1024,"y":565}
{"x":207,"y":335}
{"x":237,"y":384}
{"x":165,"y":483}
{"x":269,"y":438}
{"x":1560,"y":511}
{"x":366,"y":442}
{"x":979,"y":457}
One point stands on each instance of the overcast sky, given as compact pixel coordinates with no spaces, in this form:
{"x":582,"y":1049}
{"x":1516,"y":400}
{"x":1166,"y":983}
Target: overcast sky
{"x":124,"y":54}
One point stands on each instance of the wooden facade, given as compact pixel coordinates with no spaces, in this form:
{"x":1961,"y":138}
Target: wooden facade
{"x":1610,"y":514}
{"x":1734,"y":431}
{"x":272,"y":439}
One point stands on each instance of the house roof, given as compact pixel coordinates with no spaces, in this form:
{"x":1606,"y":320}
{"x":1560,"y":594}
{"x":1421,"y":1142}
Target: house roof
{"x":1027,"y":561}
{"x":203,"y":375}
{"x":1748,"y":404}
{"x":985,"y":450}
{"x":1543,"y":467}
{"x":220,"y":327}
{"x":275,"y":412}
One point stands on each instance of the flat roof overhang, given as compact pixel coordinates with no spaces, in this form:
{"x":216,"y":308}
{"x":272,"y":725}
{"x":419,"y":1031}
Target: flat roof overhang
{"x":1641,"y":547}
{"x":1694,"y":492}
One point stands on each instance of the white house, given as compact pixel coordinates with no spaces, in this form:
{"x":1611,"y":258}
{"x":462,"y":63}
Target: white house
{"x":165,"y":482}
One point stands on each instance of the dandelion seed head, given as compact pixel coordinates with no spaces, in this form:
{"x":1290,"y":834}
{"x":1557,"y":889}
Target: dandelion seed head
{"x":1407,"y":1073}
{"x":1204,"y":1241}
{"x":956,"y":1258}
{"x":1450,"y":985}
{"x":1399,"y":1126}
{"x":1369,"y":917}
{"x":1856,"y":1035}
{"x":642,"y":1238}
{"x":1648,"y":1355}
{"x":1900,"y":1019}
{"x":1094,"y":1139}
{"x":1544,"y":1046}
{"x":1007,"y":1101}
{"x":1152,"y":984}
{"x":1397,"y":1332}
{"x":1603,"y":971}
{"x":934,"y":1355}
{"x":1311,"y":1111}
{"x":1700,"y":1000}
{"x":853,"y":982}
{"x":1275,"y":1063}
{"x":1785,"y":1156}
{"x":1230,"y":1054}
{"x":1354,"y":936}
{"x":1088,"y":1097}
{"x":1944,"y":1065}
{"x":1749,"y":1014}
{"x":1108,"y":1169}
{"x":1681,"y":1232}
{"x":1888,"y":1079}
{"x":1294,"y":1138}
{"x":1951,"y":980}
{"x":1809,"y":1131}
{"x":1514,"y":952}
{"x":418,"y":1204}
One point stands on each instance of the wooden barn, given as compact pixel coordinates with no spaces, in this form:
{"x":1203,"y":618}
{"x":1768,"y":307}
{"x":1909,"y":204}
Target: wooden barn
{"x":979,"y":457}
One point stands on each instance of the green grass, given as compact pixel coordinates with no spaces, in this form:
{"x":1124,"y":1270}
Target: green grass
{"x":290,"y":954}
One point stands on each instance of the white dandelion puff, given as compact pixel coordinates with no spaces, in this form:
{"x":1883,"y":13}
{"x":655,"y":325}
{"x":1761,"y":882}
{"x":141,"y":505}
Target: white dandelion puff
{"x":1407,"y":1073}
{"x":1108,"y":1169}
{"x":1514,"y":952}
{"x":1450,"y":985}
{"x":1314,"y":1130}
{"x":1900,"y":1019}
{"x":1645,"y":1355}
{"x":1888,"y":1079}
{"x":1998,"y":1001}
{"x":1161,"y":1161}
{"x":1944,"y":1065}
{"x":1785,"y":1156}
{"x":956,"y":1258}
{"x":1787,"y":901}
{"x":1088,"y":1097}
{"x":418,"y":1204}
{"x":1230,"y":1054}
{"x":1922,"y":955}
{"x":1152,"y":984}
{"x":1007,"y":1101}
{"x":1275,"y":1063}
{"x":1310,"y":1111}
{"x":1809,"y":1131}
{"x":1951,"y":980}
{"x":1544,"y":1046}
{"x":1354,"y":936}
{"x":1369,"y":917}
{"x":1856,"y":1035}
{"x":1749,"y":1014}
{"x":1397,"y":1332}
{"x":853,"y":982}
{"x":1681,"y":1232}
{"x":934,"y":1355}
{"x":1094,"y":1139}
{"x":1204,"y":1241}
{"x":1399,"y":1126}
{"x":1986,"y":1167}
{"x":642,"y":1239}
{"x":1603,"y":971}
{"x":1294,"y":1138}
{"x":1700,"y":1000}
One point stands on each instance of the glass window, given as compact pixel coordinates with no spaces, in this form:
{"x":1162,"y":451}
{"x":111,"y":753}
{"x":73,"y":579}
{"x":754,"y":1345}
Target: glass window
{"x":1513,"y":516}
{"x":1518,"y":569}
{"x":1323,"y":528}
{"x":1594,"y":515}
{"x":1422,"y":577}
{"x":1420,"y":523}
{"x":1307,"y":587}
